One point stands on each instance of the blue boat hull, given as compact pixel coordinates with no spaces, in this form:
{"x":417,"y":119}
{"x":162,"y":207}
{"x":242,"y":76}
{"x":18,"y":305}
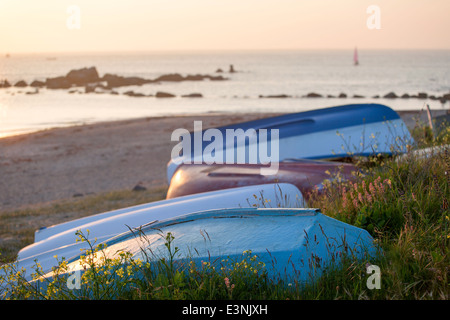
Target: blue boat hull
{"x":293,"y":244}
{"x":336,"y":132}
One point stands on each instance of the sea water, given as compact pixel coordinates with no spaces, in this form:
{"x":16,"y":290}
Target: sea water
{"x":258,"y":73}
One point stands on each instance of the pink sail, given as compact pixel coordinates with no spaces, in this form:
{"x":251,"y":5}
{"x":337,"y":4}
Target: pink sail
{"x":355,"y":57}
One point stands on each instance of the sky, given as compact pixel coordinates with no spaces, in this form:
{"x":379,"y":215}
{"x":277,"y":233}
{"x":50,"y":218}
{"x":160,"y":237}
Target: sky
{"x":31,"y":26}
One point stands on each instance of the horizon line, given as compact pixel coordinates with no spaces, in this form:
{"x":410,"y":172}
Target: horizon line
{"x":142,"y":51}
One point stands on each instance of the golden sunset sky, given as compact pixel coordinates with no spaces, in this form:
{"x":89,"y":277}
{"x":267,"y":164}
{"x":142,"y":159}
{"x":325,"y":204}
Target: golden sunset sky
{"x":159,"y":25}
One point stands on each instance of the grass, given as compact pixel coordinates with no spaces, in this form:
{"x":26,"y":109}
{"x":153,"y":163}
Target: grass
{"x":403,"y":203}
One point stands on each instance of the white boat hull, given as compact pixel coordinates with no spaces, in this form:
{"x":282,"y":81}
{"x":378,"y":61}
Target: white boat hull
{"x":60,"y":240}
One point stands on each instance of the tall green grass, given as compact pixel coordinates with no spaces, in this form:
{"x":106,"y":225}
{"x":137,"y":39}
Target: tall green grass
{"x":404,"y":204}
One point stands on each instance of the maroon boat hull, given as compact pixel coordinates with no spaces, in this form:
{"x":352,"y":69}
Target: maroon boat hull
{"x":305,"y":175}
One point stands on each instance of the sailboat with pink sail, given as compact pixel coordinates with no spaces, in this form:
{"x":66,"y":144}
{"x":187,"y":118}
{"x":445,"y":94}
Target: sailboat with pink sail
{"x":355,"y":57}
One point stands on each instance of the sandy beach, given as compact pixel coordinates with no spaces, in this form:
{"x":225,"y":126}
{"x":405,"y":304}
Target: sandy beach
{"x":63,"y":163}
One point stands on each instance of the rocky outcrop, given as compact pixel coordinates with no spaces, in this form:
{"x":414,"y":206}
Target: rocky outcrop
{"x":422,"y":95}
{"x":176,"y":77}
{"x":313,"y":95}
{"x":276,"y":96}
{"x":160,"y":94}
{"x":390,"y":95}
{"x":37,"y":84}
{"x":134,"y":94}
{"x":173,"y":77}
{"x":89,"y":79}
{"x":81,"y":77}
{"x":58,"y":83}
{"x":21,"y":84}
{"x":193,"y":95}
{"x":77,"y":77}
{"x":115,"y":81}
{"x":86,"y":76}
{"x":4,"y":84}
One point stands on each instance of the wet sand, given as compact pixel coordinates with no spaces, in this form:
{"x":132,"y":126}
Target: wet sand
{"x":62,"y":163}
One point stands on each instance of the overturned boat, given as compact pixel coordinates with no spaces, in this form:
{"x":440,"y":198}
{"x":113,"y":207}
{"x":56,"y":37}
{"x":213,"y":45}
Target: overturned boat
{"x":335,"y":132}
{"x":61,"y":240}
{"x":307,"y":175}
{"x":292,"y":244}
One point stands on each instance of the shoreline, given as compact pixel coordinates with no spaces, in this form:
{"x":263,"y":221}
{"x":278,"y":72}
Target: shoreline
{"x":63,"y":163}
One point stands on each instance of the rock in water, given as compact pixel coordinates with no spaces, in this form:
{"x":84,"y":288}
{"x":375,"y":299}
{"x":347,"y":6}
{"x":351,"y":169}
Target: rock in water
{"x":37,"y":84}
{"x":276,"y":96}
{"x":83,"y":76}
{"x":390,"y":95}
{"x":193,"y":95}
{"x":171,"y":77}
{"x":58,"y":83}
{"x":160,"y":94}
{"x":114,"y":81}
{"x":4,"y":84}
{"x":134,"y":94}
{"x":422,"y":95}
{"x":36,"y":91}
{"x":20,"y":84}
{"x":176,"y":77}
{"x":313,"y":95}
